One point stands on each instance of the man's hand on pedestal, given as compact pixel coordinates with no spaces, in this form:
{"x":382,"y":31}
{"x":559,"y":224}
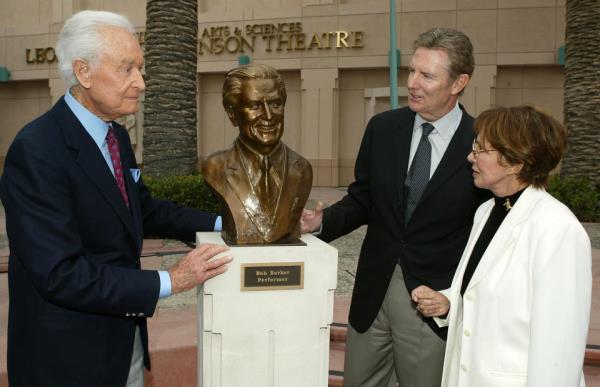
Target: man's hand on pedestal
{"x":197,"y":267}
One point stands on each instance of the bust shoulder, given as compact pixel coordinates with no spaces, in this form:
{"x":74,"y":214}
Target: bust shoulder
{"x":212,"y":166}
{"x":301,"y":165}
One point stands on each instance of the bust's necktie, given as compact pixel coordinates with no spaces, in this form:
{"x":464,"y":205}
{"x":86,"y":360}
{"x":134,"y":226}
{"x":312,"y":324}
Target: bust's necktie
{"x":115,"y":156}
{"x":264,"y":177}
{"x":418,"y":173}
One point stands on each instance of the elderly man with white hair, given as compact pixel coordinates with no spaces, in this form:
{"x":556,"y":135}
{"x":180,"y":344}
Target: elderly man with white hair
{"x":77,"y":211}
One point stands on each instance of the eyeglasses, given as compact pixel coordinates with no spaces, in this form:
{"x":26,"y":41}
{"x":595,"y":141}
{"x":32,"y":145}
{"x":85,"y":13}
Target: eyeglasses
{"x":477,"y":149}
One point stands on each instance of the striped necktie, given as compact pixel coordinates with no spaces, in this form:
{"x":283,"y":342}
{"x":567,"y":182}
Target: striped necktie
{"x":115,"y":156}
{"x":418,"y":173}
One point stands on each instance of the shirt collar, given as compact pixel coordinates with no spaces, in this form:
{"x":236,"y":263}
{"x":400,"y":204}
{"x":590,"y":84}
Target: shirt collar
{"x":94,"y":125}
{"x":251,"y":161}
{"x":275,"y":156}
{"x":445,"y":126}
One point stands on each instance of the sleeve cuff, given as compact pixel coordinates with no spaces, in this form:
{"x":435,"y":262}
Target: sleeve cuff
{"x":319,"y":231}
{"x":218,"y":224}
{"x":165,"y":284}
{"x":442,"y":321}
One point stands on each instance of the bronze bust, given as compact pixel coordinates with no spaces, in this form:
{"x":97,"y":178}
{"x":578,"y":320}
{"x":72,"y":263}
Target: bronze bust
{"x":261,"y":184}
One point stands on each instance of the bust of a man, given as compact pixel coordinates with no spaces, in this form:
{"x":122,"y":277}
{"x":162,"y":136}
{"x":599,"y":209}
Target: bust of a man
{"x":261,"y":184}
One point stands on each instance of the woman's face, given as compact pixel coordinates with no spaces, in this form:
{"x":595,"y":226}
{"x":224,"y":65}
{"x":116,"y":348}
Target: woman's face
{"x":489,"y":172}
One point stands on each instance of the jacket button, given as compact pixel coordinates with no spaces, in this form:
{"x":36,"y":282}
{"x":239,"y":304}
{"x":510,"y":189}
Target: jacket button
{"x":467,"y":332}
{"x":463,"y":367}
{"x":469,"y":297}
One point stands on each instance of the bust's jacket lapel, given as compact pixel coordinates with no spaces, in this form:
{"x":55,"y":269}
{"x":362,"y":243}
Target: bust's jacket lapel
{"x":92,"y":163}
{"x":240,"y":186}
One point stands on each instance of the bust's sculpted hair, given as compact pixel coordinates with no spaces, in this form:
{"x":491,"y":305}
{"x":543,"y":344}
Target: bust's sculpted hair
{"x":232,"y":87}
{"x":81,"y":38}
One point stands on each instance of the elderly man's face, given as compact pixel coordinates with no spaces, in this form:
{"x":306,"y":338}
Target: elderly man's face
{"x":260,"y":114}
{"x":113,"y":86}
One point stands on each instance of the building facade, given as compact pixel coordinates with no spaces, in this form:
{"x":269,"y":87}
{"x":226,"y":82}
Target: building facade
{"x":333,"y":55}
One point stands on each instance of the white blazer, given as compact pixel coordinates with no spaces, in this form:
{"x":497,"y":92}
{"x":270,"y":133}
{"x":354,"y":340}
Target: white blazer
{"x":524,"y":317}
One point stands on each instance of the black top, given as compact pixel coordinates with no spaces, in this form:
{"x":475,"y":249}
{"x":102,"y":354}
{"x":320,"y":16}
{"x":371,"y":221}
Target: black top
{"x":501,"y":208}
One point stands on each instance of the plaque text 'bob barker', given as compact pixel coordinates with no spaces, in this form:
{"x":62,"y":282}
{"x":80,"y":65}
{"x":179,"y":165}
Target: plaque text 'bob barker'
{"x":273,"y":276}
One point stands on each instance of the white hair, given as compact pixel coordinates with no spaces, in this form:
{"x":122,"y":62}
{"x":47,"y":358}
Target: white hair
{"x":81,"y":38}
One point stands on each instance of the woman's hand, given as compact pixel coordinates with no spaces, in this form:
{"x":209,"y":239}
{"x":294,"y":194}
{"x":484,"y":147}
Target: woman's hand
{"x":429,"y":302}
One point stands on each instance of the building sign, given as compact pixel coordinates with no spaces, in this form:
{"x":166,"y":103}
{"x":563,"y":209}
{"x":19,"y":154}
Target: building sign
{"x":235,"y":40}
{"x":47,"y":54}
{"x":40,"y":55}
{"x":274,"y":37}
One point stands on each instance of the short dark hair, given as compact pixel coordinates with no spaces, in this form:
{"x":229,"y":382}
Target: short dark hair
{"x":232,"y":87}
{"x":455,"y":43}
{"x":524,"y":135}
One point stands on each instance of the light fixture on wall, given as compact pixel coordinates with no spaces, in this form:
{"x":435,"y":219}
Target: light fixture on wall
{"x":243,"y":60}
{"x":4,"y":74}
{"x":561,"y":55}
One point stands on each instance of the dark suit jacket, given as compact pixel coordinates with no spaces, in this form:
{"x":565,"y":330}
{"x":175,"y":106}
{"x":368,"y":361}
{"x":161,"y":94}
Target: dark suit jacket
{"x":75,"y":286}
{"x":430,"y":245}
{"x":224,"y":173}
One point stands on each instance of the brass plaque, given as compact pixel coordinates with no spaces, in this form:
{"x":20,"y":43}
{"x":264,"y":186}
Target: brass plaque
{"x":272,"y":276}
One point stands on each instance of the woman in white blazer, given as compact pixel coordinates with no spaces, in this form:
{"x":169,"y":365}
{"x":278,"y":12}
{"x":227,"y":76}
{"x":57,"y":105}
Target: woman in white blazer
{"x":519,"y":305}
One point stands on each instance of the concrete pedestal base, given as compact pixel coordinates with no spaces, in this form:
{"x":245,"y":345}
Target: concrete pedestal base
{"x":269,"y":328}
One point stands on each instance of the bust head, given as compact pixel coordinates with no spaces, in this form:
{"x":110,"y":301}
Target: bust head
{"x":254,"y":99}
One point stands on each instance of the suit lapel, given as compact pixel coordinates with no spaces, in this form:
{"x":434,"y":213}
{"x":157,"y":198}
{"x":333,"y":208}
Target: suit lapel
{"x":288,"y":194}
{"x":402,"y":139}
{"x":507,"y":234}
{"x":454,"y":158}
{"x":476,"y":230}
{"x":240,"y":186}
{"x":134,"y":204}
{"x":91,"y":162}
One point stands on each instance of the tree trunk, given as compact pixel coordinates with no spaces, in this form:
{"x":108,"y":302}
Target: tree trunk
{"x":582,"y":89}
{"x":170,"y":146}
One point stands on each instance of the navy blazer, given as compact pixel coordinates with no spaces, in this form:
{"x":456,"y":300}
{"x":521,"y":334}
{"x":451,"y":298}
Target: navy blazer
{"x":429,"y":247}
{"x":76,"y":289}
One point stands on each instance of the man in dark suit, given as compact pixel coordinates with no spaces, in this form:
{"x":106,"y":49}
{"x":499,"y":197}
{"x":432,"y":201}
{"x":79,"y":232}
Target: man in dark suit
{"x":261,"y":183}
{"x":413,"y":187}
{"x":77,"y":211}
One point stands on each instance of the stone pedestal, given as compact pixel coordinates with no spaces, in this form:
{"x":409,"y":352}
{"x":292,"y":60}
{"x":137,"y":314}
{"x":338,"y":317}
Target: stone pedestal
{"x":265,"y":322}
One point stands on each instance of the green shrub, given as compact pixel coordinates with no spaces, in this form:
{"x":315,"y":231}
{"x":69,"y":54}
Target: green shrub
{"x":188,"y":191}
{"x":577,"y":193}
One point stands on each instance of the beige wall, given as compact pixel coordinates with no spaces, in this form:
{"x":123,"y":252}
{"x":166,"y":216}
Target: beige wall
{"x":539,"y":86}
{"x":19,"y":103}
{"x":331,"y":92}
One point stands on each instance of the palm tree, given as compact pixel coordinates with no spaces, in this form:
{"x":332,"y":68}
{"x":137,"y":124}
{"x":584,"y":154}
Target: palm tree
{"x":170,"y":105}
{"x":582,"y":89}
